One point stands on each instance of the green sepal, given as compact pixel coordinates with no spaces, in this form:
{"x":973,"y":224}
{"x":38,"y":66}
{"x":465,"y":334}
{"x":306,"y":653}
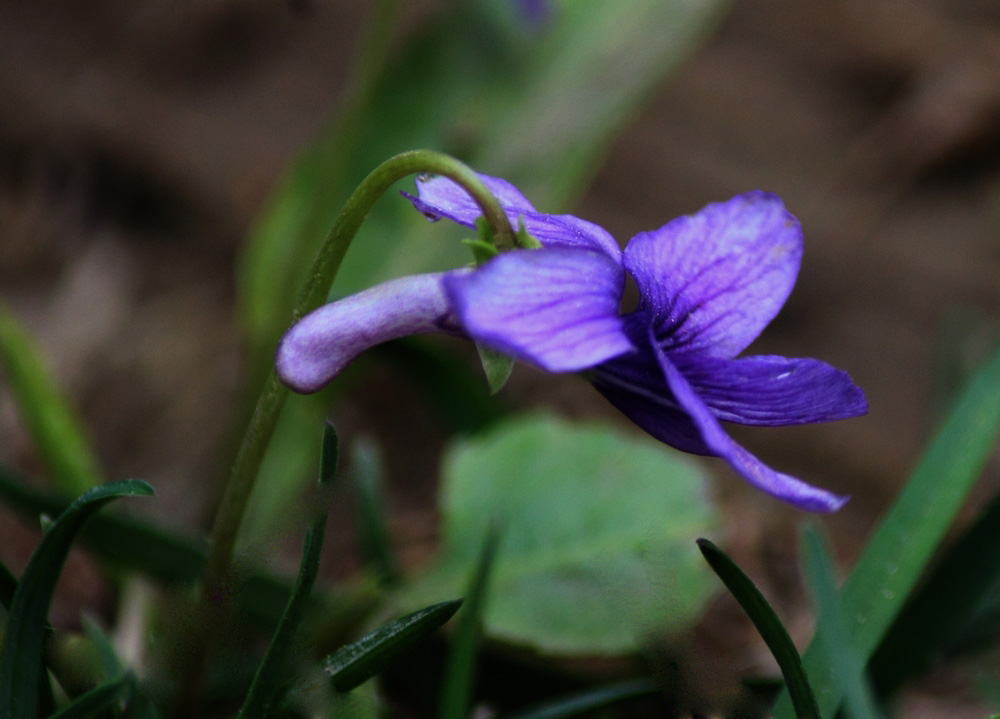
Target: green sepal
{"x":359,"y":661}
{"x":497,"y":366}
{"x":482,"y":252}
{"x":24,"y":637}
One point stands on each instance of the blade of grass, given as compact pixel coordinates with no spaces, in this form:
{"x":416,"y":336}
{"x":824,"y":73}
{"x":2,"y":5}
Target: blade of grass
{"x":98,"y":700}
{"x":845,"y":664}
{"x":936,"y":614}
{"x":884,"y":575}
{"x":768,"y":624}
{"x":52,"y":425}
{"x":460,"y":670}
{"x":370,"y":511}
{"x":265,"y":683}
{"x":588,"y":701}
{"x":8,"y":585}
{"x":24,"y":637}
{"x":358,"y":662}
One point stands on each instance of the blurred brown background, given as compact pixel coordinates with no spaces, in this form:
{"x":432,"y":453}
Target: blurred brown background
{"x":139,"y":139}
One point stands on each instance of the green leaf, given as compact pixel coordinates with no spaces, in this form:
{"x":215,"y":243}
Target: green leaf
{"x":355,"y":663}
{"x":884,"y":576}
{"x":97,"y":701}
{"x":944,"y":609}
{"x":373,"y":536}
{"x":588,"y":701}
{"x":832,"y":637}
{"x":122,"y":540}
{"x":768,"y":624}
{"x":591,"y":518}
{"x":8,"y":585}
{"x":265,"y":682}
{"x":20,"y":657}
{"x":111,"y":665}
{"x":47,"y":416}
{"x":460,"y":670}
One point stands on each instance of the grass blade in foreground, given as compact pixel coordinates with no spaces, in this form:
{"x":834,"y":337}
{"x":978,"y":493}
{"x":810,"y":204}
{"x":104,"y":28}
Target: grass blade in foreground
{"x":21,"y":655}
{"x":98,"y":700}
{"x":355,"y":663}
{"x":461,"y":665}
{"x":846,"y":667}
{"x":369,"y":500}
{"x":48,"y":418}
{"x":264,"y":686}
{"x":883,"y":577}
{"x":935,"y":617}
{"x":770,"y":627}
{"x":587,"y":701}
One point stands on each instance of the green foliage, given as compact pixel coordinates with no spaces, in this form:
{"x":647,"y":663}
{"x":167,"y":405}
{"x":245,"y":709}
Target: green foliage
{"x":769,"y":625}
{"x":264,"y":687}
{"x":590,"y":519}
{"x":47,"y":416}
{"x":370,"y":510}
{"x":21,"y":655}
{"x":846,"y":667}
{"x":358,"y":662}
{"x":100,"y":699}
{"x":460,"y":673}
{"x":884,"y":576}
{"x":588,"y":701}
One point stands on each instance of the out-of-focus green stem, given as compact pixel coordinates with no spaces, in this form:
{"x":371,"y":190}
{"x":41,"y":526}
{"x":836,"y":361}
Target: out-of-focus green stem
{"x":265,"y":416}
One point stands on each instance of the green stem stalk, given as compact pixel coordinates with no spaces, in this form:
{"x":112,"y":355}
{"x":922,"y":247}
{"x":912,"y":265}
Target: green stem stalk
{"x":246,"y":465}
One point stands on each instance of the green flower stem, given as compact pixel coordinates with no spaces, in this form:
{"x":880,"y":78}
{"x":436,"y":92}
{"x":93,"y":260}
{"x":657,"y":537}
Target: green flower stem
{"x":245,"y":467}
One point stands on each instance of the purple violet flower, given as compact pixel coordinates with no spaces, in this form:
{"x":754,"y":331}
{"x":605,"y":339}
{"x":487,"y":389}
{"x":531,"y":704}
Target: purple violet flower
{"x":708,"y":284}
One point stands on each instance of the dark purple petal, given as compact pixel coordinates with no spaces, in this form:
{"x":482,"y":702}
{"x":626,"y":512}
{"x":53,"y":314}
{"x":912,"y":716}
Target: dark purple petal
{"x":634,"y":384}
{"x":757,"y":473}
{"x":772,"y":391}
{"x":557,"y":309}
{"x":713,"y":280}
{"x":320,"y":345}
{"x":439,"y":197}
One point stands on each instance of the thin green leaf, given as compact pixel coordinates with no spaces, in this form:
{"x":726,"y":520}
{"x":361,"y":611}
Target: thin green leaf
{"x":884,"y":576}
{"x":938,"y":614}
{"x":370,"y":511}
{"x":111,"y":665}
{"x":264,"y":687}
{"x":20,"y":657}
{"x":355,"y":663}
{"x":53,"y":426}
{"x":8,"y":585}
{"x":768,"y":624}
{"x":590,"y":700}
{"x":117,"y":538}
{"x":98,"y":700}
{"x":461,"y":668}
{"x":846,"y":665}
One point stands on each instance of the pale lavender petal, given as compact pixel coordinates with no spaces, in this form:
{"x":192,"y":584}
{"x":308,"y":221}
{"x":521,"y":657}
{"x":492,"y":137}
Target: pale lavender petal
{"x":758,"y":474}
{"x":557,"y":309}
{"x":439,"y":197}
{"x":772,"y":391}
{"x":713,"y":280}
{"x":320,"y":345}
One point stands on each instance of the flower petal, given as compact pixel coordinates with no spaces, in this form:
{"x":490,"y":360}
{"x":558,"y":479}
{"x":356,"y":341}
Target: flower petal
{"x":440,"y":197}
{"x":713,"y":280}
{"x":772,"y":391}
{"x":320,"y":345}
{"x":557,"y":309}
{"x":757,"y":473}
